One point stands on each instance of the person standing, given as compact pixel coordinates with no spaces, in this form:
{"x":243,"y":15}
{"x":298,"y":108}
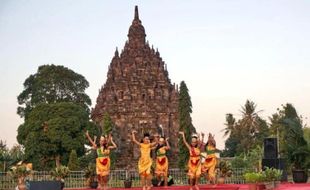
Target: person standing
{"x":162,"y":163}
{"x":145,"y":160}
{"x":103,"y":161}
{"x":208,"y":167}
{"x":194,"y":166}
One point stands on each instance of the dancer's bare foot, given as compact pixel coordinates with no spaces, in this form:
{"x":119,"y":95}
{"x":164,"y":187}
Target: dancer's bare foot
{"x":148,"y":188}
{"x":191,"y":188}
{"x":196,"y":186}
{"x":144,"y":188}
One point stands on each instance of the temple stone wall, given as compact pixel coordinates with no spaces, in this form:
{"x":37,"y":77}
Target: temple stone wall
{"x":138,"y":95}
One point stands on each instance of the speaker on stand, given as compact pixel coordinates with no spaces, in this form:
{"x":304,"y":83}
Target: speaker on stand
{"x":270,"y":148}
{"x":271,"y":159}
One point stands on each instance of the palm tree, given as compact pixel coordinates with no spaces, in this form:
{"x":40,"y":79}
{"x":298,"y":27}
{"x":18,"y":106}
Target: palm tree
{"x":249,"y":119}
{"x":230,"y":124}
{"x":250,"y":126}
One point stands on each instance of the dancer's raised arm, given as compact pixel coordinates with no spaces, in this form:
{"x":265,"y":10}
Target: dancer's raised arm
{"x":92,"y":142}
{"x":153,"y":144}
{"x":113,"y":143}
{"x":134,"y":137}
{"x":167,"y":144}
{"x":200,"y":142}
{"x":184,"y":140}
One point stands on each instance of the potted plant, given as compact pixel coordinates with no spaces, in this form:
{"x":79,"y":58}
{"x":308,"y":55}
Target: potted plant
{"x":91,"y":176}
{"x":299,"y":165}
{"x":296,"y":148}
{"x":128,"y":180}
{"x":20,"y":172}
{"x":60,"y":173}
{"x":224,"y":170}
{"x":272,"y":177}
{"x":255,"y":180}
{"x":252,"y":178}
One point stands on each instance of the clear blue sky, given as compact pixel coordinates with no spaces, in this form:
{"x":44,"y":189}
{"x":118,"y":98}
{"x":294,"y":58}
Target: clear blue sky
{"x":226,"y":51}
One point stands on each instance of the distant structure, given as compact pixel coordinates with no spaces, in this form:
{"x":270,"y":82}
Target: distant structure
{"x":138,"y":95}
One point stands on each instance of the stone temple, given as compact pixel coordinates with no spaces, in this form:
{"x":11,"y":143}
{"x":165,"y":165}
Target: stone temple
{"x":138,"y":95}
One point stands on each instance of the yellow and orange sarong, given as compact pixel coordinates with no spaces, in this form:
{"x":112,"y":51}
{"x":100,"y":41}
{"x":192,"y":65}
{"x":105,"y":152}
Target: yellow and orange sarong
{"x":103,"y":162}
{"x":145,"y":161}
{"x":161,"y":162}
{"x":208,"y":167}
{"x":194,"y":166}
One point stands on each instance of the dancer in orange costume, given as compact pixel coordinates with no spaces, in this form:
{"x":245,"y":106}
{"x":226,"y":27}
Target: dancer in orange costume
{"x":194,"y":166}
{"x":145,"y":161}
{"x":162,"y":164}
{"x":103,"y":160}
{"x":208,"y":167}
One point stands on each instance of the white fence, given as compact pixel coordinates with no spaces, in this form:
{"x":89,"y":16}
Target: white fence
{"x":76,"y":179}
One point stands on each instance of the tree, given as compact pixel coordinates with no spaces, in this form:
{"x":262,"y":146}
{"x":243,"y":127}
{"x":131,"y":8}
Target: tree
{"x":73,"y":163}
{"x":17,"y":154}
{"x":9,"y":157}
{"x":4,"y":156}
{"x":107,"y":126}
{"x":253,"y":129}
{"x":52,"y":84}
{"x":307,"y":134}
{"x":230,"y":124}
{"x":293,"y":145}
{"x":51,"y":131}
{"x":232,"y":141}
{"x":185,"y":122}
{"x":280,"y":128}
{"x":245,"y":134}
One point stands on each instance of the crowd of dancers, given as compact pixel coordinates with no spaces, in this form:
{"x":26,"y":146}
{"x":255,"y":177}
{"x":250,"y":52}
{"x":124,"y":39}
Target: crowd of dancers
{"x":202,"y":159}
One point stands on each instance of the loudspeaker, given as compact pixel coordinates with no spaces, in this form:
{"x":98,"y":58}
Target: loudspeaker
{"x":46,"y":185}
{"x":270,"y":148}
{"x":277,"y":163}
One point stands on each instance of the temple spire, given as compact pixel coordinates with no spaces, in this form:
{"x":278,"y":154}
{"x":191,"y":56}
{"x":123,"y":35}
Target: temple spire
{"x":136,"y":32}
{"x":116,"y":52}
{"x":136,"y":13}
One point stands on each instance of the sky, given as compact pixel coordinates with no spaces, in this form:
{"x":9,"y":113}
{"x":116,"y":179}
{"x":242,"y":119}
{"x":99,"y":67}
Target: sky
{"x":226,"y":51}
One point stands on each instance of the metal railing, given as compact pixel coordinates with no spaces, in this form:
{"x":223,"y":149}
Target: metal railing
{"x":76,"y":179}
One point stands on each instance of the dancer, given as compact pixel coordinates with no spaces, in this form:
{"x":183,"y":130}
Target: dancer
{"x":103,"y":159}
{"x":145,"y":161}
{"x":208,"y":167}
{"x":194,"y":166}
{"x":161,"y":169}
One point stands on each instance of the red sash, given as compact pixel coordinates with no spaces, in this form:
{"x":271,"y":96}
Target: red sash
{"x":104,"y":161}
{"x":195,"y":162}
{"x":162,"y":161}
{"x":193,"y":152}
{"x":209,"y":159}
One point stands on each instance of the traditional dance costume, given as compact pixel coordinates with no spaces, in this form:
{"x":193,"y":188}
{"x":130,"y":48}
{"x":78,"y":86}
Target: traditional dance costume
{"x":103,"y":162}
{"x":210,"y":162}
{"x":145,"y":161}
{"x":194,"y":166}
{"x":161,"y":162}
